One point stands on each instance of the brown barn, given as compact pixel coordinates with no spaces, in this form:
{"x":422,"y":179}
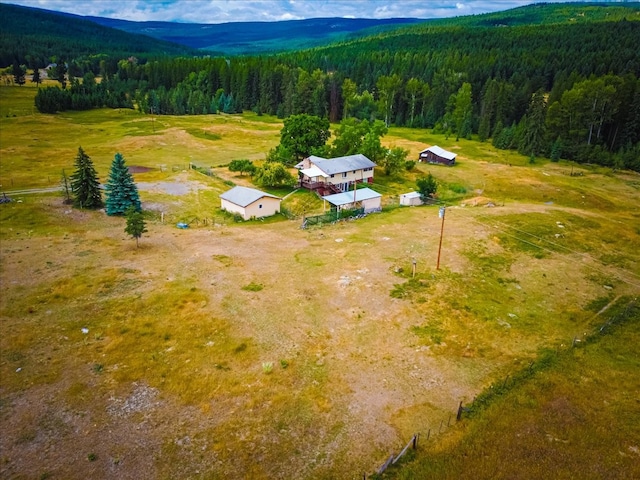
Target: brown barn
{"x":439,"y":155}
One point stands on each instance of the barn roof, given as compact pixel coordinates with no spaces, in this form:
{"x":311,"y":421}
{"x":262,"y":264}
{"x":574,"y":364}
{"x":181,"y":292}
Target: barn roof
{"x":345,"y":198}
{"x":441,"y":152}
{"x":331,"y":166}
{"x":244,"y":196}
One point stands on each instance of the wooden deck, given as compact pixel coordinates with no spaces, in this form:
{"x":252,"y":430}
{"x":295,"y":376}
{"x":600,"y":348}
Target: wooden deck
{"x":322,"y":189}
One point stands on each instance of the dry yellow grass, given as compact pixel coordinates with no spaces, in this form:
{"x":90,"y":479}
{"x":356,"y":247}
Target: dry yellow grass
{"x":171,"y":378}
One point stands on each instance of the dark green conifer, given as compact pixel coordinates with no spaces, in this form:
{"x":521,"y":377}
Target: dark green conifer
{"x":122,"y":192}
{"x":85,"y":186}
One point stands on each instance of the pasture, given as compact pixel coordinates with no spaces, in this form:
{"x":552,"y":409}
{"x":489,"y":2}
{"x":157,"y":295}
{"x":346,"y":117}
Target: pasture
{"x":260,"y":350}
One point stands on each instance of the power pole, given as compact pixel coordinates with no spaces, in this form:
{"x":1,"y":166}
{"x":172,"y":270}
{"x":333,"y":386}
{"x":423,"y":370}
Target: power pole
{"x":441,"y":213}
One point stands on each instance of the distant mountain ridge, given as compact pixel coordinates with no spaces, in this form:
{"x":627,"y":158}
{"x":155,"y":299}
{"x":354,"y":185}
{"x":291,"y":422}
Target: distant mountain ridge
{"x":237,"y":38}
{"x":33,"y":35}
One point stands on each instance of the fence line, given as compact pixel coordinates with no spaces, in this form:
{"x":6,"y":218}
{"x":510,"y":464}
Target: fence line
{"x":514,"y":379}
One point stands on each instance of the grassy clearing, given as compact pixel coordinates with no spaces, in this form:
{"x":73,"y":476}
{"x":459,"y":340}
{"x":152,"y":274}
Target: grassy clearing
{"x":260,"y":350}
{"x":568,"y":414}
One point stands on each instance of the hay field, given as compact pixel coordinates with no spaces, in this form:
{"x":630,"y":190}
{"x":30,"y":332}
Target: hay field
{"x":260,"y":350}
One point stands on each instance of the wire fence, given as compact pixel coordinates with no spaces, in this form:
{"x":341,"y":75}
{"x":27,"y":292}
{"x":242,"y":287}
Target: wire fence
{"x":631,"y":311}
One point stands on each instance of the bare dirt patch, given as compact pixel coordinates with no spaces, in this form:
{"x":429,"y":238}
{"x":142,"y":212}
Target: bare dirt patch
{"x":190,"y":395}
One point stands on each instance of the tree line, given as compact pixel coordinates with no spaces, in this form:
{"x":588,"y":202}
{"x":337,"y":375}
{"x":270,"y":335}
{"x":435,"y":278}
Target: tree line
{"x":568,"y":91}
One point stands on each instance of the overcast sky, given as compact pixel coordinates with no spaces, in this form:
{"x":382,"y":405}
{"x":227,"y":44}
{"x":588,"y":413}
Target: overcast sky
{"x":221,"y":11}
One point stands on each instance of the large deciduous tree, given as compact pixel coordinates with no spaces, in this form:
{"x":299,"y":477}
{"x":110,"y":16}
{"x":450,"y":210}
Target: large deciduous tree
{"x":122,"y":192}
{"x":242,"y":166}
{"x":58,"y":71}
{"x":273,"y":174}
{"x":303,"y":134}
{"x":462,"y":112}
{"x":394,"y":160}
{"x":359,"y":136}
{"x":427,"y":187}
{"x":85,"y":185}
{"x":388,"y":88}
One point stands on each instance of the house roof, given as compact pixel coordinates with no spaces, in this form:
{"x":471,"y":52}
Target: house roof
{"x":441,"y":152}
{"x":313,"y":172}
{"x":244,"y":196}
{"x":331,"y":166}
{"x":345,"y":198}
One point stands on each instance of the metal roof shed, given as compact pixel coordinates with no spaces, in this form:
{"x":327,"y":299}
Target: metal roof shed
{"x":369,"y":200}
{"x":411,"y":198}
{"x":436,"y":154}
{"x":249,"y":202}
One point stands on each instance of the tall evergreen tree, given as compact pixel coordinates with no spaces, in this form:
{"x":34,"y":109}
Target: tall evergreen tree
{"x":19,"y":72}
{"x":36,"y":77}
{"x":122,"y":192}
{"x":534,"y":125}
{"x":85,"y":185}
{"x":462,"y":112}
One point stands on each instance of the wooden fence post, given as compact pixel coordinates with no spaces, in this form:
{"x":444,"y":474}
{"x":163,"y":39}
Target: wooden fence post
{"x":386,"y":464}
{"x":459,"y":416}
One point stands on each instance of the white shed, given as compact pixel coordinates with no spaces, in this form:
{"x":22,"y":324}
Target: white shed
{"x":411,"y":199}
{"x":364,"y":198}
{"x":249,"y":202}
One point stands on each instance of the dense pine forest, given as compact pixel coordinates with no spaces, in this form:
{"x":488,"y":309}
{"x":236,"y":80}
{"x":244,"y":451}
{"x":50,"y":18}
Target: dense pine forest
{"x":568,"y":89}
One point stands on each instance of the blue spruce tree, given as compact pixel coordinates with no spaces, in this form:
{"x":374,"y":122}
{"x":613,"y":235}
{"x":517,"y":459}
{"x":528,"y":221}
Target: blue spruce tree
{"x":121,"y":190}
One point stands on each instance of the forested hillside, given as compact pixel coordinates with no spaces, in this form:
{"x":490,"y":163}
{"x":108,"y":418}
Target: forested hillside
{"x":32,"y":37}
{"x":563,"y":90}
{"x":253,"y":38}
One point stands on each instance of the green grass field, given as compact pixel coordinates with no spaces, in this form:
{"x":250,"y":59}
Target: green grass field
{"x":260,"y":350}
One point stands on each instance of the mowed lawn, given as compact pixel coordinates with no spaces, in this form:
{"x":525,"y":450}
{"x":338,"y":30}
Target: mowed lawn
{"x":260,"y":350}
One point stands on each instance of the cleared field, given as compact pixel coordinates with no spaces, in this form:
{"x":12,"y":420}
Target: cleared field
{"x":260,"y":350}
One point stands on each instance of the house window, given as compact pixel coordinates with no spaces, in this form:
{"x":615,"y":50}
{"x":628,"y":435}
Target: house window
{"x":260,"y":206}
{"x":332,"y":175}
{"x":344,"y":175}
{"x":354,"y":171}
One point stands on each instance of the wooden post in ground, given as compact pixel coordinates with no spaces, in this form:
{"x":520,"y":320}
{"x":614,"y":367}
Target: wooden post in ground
{"x":441,"y":214}
{"x":459,"y":415}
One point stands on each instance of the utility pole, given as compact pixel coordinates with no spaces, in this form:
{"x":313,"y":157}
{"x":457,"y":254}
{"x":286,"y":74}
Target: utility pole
{"x":441,"y":215}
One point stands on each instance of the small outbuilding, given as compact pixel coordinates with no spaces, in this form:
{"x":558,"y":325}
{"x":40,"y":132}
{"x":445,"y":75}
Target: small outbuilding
{"x":250,"y":203}
{"x":411,"y":199}
{"x":364,"y":198}
{"x":438,"y":155}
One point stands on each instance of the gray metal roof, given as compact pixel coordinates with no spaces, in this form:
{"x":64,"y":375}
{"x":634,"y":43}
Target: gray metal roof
{"x":441,"y":152}
{"x":244,"y":196}
{"x":411,"y":195}
{"x":331,"y":166}
{"x":345,"y":198}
